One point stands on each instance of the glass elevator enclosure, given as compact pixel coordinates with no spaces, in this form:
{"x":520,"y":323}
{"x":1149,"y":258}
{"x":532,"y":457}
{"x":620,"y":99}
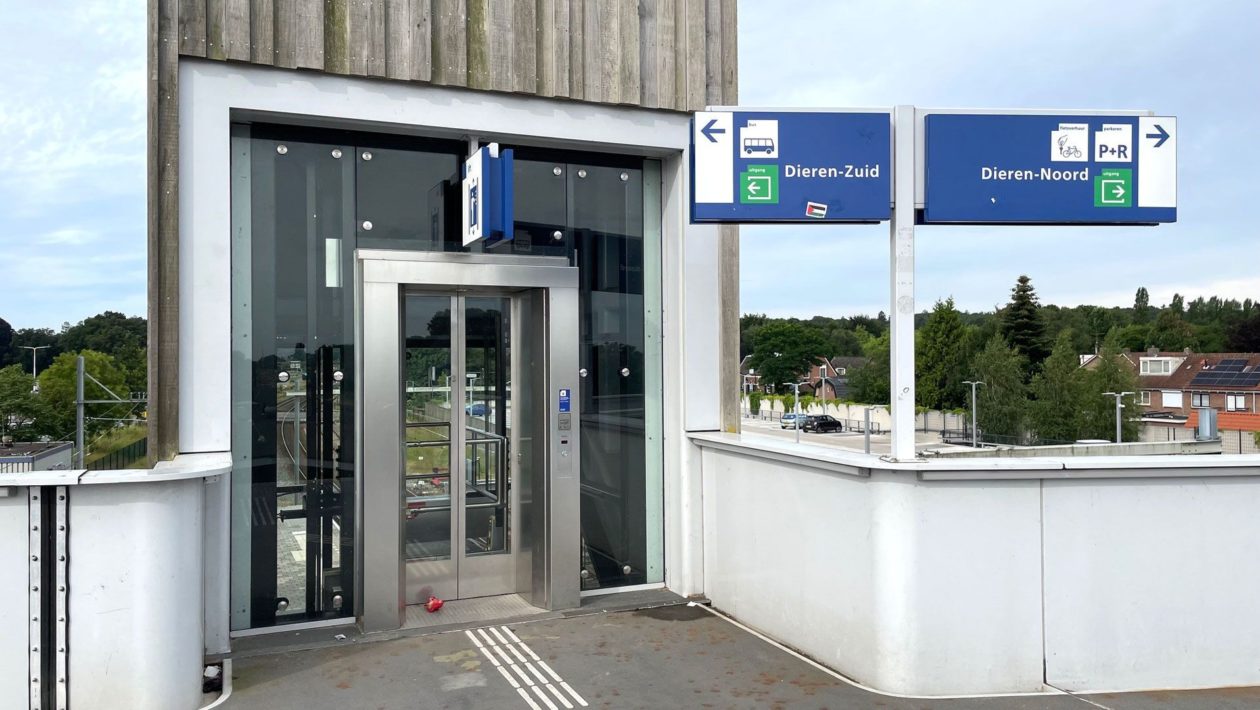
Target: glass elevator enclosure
{"x":305,"y":201}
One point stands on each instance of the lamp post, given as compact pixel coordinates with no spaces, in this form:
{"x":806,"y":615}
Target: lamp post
{"x":796,"y":396}
{"x":974,"y":438}
{"x":822,"y":384}
{"x":1119,"y":405}
{"x":34,"y":363}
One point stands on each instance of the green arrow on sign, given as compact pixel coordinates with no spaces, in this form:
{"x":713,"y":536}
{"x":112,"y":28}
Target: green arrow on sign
{"x":1113,"y":187}
{"x":759,"y":184}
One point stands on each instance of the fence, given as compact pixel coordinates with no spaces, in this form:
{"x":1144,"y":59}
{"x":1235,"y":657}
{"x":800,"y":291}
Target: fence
{"x":133,"y":455}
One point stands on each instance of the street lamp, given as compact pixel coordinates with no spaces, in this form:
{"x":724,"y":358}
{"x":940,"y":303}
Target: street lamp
{"x":796,"y":396}
{"x":973,"y":384}
{"x":1119,"y":405}
{"x":34,"y":363}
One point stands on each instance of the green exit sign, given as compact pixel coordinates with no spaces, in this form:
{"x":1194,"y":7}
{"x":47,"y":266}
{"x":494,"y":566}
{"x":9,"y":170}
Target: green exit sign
{"x":759,"y":184}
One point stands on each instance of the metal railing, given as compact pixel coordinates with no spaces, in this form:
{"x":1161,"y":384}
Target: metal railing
{"x":133,"y":455}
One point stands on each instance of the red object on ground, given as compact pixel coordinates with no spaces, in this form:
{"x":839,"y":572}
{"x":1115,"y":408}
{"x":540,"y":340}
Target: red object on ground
{"x":433,"y":604}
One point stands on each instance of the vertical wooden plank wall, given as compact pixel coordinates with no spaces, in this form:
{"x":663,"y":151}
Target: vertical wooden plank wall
{"x":677,"y":55}
{"x":669,"y":54}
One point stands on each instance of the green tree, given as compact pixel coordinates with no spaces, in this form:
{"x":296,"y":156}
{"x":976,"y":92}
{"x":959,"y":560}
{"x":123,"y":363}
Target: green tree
{"x":941,"y":358}
{"x":1097,"y":322}
{"x":1057,"y":390}
{"x":57,"y":390}
{"x":1134,"y":337}
{"x":122,"y":338}
{"x":22,"y":412}
{"x":1178,"y":304}
{"x":1022,"y":325}
{"x":870,"y":384}
{"x":43,"y":337}
{"x":6,"y":343}
{"x":749,"y":324}
{"x":1142,"y":306}
{"x":1170,"y":332}
{"x":1111,"y":372}
{"x":1244,"y":336}
{"x":1002,"y":403}
{"x":784,"y":351}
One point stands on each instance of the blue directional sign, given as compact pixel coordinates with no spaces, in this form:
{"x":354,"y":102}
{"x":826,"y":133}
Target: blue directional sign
{"x":791,"y":166}
{"x":1049,"y":169}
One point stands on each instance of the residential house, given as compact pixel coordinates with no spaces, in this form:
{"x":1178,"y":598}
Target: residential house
{"x":1174,"y":384}
{"x":829,"y":378}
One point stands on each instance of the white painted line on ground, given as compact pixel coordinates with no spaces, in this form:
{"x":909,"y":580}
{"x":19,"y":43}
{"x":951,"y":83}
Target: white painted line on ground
{"x":559,"y":696}
{"x":532,"y":669}
{"x":845,"y":679}
{"x":543,"y":696}
{"x":533,"y":705}
{"x":530,"y":651}
{"x":509,"y":677}
{"x":504,"y":656}
{"x":508,"y":641}
{"x":519,"y":656}
{"x":521,"y":673}
{"x":574,"y":693}
{"x":553,"y":674}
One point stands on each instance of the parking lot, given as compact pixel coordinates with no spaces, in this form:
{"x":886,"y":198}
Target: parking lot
{"x":851,"y":440}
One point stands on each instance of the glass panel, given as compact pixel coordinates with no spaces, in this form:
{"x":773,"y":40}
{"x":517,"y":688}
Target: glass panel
{"x":487,"y":479}
{"x":427,"y":419}
{"x":606,"y":208}
{"x":541,"y":203}
{"x":300,"y":406}
{"x":407,"y":199}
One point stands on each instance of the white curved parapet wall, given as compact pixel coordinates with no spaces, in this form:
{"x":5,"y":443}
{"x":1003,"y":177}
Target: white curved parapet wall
{"x":990,"y":576}
{"x":135,"y":604}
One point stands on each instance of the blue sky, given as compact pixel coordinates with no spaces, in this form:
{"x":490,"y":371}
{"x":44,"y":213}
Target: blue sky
{"x":1199,"y":61}
{"x":72,"y":208}
{"x":72,"y":171}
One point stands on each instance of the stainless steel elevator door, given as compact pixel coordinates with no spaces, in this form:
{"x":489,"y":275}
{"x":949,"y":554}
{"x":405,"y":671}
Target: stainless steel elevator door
{"x":458,"y":503}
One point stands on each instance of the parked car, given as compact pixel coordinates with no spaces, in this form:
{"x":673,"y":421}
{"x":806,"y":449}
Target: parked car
{"x":822,"y":423}
{"x":790,"y":421}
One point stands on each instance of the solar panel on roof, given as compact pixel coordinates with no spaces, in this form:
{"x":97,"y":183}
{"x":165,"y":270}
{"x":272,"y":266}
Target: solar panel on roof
{"x":1230,"y":365}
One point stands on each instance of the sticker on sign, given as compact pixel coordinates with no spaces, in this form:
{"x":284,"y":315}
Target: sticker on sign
{"x":816,"y":210}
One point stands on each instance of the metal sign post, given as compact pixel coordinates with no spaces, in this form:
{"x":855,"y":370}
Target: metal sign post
{"x":901,"y":271}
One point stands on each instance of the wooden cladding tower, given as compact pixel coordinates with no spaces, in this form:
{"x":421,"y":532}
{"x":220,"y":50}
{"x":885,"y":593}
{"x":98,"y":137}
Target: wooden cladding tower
{"x":674,"y":55}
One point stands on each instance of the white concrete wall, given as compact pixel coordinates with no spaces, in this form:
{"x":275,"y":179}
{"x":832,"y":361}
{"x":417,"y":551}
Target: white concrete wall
{"x":14,"y":595}
{"x":136,"y":595}
{"x":904,"y":586}
{"x":1152,"y":583}
{"x":927,"y":578}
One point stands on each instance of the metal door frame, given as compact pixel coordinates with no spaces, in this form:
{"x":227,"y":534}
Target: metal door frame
{"x":548,"y":572}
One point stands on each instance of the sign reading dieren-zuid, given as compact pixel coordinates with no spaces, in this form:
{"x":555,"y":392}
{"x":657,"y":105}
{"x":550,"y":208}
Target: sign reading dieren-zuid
{"x":791,"y":166}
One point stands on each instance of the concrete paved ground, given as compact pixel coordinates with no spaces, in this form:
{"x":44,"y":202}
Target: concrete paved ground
{"x":666,"y":657}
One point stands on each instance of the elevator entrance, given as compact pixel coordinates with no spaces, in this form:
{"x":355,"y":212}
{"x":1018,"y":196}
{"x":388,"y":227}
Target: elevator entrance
{"x":470,"y":430}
